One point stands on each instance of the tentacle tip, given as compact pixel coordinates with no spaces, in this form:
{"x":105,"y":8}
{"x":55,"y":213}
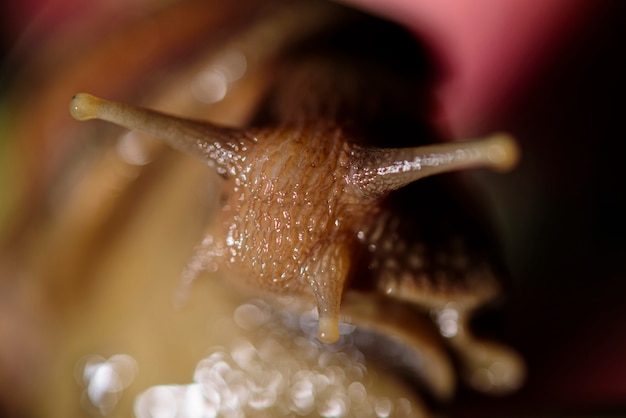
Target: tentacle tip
{"x":328,"y":331}
{"x":504,"y":152}
{"x":499,"y":378}
{"x":84,"y":106}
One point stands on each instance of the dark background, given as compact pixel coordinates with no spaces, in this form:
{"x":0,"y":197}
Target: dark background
{"x":565,"y":211}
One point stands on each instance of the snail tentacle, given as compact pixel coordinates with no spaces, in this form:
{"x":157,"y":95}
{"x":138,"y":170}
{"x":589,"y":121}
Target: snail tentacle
{"x":487,"y":366}
{"x":327,"y":281}
{"x":379,"y":170}
{"x":220,"y":147}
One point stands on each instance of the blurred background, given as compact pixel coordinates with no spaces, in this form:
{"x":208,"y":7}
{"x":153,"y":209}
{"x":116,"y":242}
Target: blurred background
{"x":553,"y":75}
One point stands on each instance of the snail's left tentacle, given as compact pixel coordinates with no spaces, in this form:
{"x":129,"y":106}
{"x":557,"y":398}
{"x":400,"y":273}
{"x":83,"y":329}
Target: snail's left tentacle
{"x":219,"y":146}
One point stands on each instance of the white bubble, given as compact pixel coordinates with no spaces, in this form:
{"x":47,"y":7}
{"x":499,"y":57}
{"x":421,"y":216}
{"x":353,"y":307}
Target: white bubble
{"x":250,"y":317}
{"x":157,"y":402}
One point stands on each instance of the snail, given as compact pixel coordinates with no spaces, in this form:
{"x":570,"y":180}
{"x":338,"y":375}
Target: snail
{"x":319,"y":201}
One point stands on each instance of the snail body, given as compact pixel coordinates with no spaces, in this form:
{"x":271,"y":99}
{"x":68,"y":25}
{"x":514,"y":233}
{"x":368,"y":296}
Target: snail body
{"x":309,"y":204}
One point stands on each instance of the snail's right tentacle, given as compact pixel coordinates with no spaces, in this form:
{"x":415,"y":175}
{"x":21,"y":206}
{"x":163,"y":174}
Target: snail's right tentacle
{"x":383,"y":170}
